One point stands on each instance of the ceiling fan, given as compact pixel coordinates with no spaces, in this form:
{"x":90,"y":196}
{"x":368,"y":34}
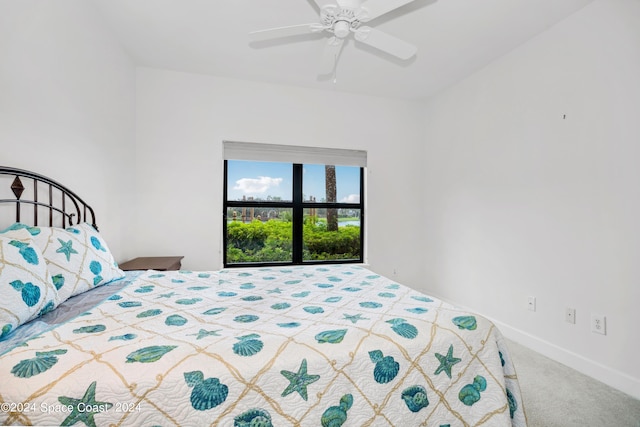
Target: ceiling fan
{"x":340,"y":18}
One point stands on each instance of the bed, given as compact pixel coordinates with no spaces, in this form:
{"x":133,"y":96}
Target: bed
{"x":313,"y":345}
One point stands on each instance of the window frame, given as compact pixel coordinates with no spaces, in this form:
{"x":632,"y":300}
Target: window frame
{"x":298,"y":206}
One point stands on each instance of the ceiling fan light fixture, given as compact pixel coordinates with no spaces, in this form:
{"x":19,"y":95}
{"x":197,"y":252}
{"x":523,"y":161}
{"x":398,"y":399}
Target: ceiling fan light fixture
{"x":341,"y":29}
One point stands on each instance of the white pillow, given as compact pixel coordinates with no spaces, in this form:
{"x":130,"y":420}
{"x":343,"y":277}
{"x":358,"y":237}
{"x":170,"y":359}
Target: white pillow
{"x":26,"y":288}
{"x":77,"y":257}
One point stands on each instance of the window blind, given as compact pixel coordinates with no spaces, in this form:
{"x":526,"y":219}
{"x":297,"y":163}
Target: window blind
{"x":234,"y":150}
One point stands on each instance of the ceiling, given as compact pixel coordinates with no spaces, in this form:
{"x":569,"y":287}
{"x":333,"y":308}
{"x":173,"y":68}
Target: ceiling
{"x":454,"y":38}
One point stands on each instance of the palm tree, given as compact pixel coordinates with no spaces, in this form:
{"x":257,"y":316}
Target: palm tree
{"x":330,"y":186}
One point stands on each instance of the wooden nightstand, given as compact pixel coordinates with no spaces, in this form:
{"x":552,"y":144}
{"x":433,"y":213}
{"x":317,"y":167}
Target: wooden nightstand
{"x":161,"y":263}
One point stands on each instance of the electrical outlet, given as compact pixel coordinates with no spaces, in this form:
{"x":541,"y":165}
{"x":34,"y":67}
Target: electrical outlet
{"x":531,"y":303}
{"x":570,"y":315}
{"x":598,"y":324}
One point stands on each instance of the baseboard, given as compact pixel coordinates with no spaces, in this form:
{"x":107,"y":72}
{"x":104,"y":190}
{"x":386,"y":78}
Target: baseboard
{"x":613,"y":378}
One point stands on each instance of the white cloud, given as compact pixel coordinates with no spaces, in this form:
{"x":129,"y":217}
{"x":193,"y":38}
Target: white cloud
{"x":259,"y":185}
{"x":351,"y":198}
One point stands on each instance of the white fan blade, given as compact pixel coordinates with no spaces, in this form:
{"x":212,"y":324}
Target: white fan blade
{"x":349,"y":4}
{"x":385,"y":42}
{"x":293,"y":30}
{"x":330,"y":55}
{"x":374,"y":8}
{"x":323,"y":3}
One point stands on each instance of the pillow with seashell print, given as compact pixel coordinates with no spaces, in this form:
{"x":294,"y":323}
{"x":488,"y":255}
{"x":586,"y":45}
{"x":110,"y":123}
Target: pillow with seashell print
{"x":78,"y":258}
{"x":26,"y":286}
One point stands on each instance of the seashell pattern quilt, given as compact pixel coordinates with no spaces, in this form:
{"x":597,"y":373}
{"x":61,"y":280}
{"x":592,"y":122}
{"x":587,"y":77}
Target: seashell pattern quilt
{"x":291,"y":346}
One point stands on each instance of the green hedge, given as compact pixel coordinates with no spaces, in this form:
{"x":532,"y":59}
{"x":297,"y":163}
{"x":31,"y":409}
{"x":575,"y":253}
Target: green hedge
{"x":258,"y":241}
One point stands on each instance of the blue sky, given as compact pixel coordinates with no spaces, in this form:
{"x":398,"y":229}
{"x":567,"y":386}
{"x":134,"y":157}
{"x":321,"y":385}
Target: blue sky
{"x":262,"y":179}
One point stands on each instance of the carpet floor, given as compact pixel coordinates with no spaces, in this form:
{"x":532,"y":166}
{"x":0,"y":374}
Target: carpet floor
{"x":556,"y":395}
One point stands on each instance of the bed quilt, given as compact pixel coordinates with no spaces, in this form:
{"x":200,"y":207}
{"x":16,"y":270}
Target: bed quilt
{"x":300,"y":346}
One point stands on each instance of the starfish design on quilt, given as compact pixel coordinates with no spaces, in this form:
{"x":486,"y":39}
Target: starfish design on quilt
{"x":169,"y":295}
{"x":446,"y":362}
{"x":66,"y":248}
{"x":354,"y":317}
{"x":84,"y":409}
{"x":298,"y":381}
{"x":204,"y":333}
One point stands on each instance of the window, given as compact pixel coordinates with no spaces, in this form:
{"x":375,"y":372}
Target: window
{"x":289,"y":212}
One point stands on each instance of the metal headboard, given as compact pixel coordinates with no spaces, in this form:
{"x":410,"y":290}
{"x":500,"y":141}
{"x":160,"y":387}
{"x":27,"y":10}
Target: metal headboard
{"x":61,"y":205}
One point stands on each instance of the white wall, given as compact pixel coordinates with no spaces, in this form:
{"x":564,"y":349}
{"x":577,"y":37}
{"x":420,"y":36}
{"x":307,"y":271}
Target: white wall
{"x":67,"y":105}
{"x":533,"y":189}
{"x":182,"y":120}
